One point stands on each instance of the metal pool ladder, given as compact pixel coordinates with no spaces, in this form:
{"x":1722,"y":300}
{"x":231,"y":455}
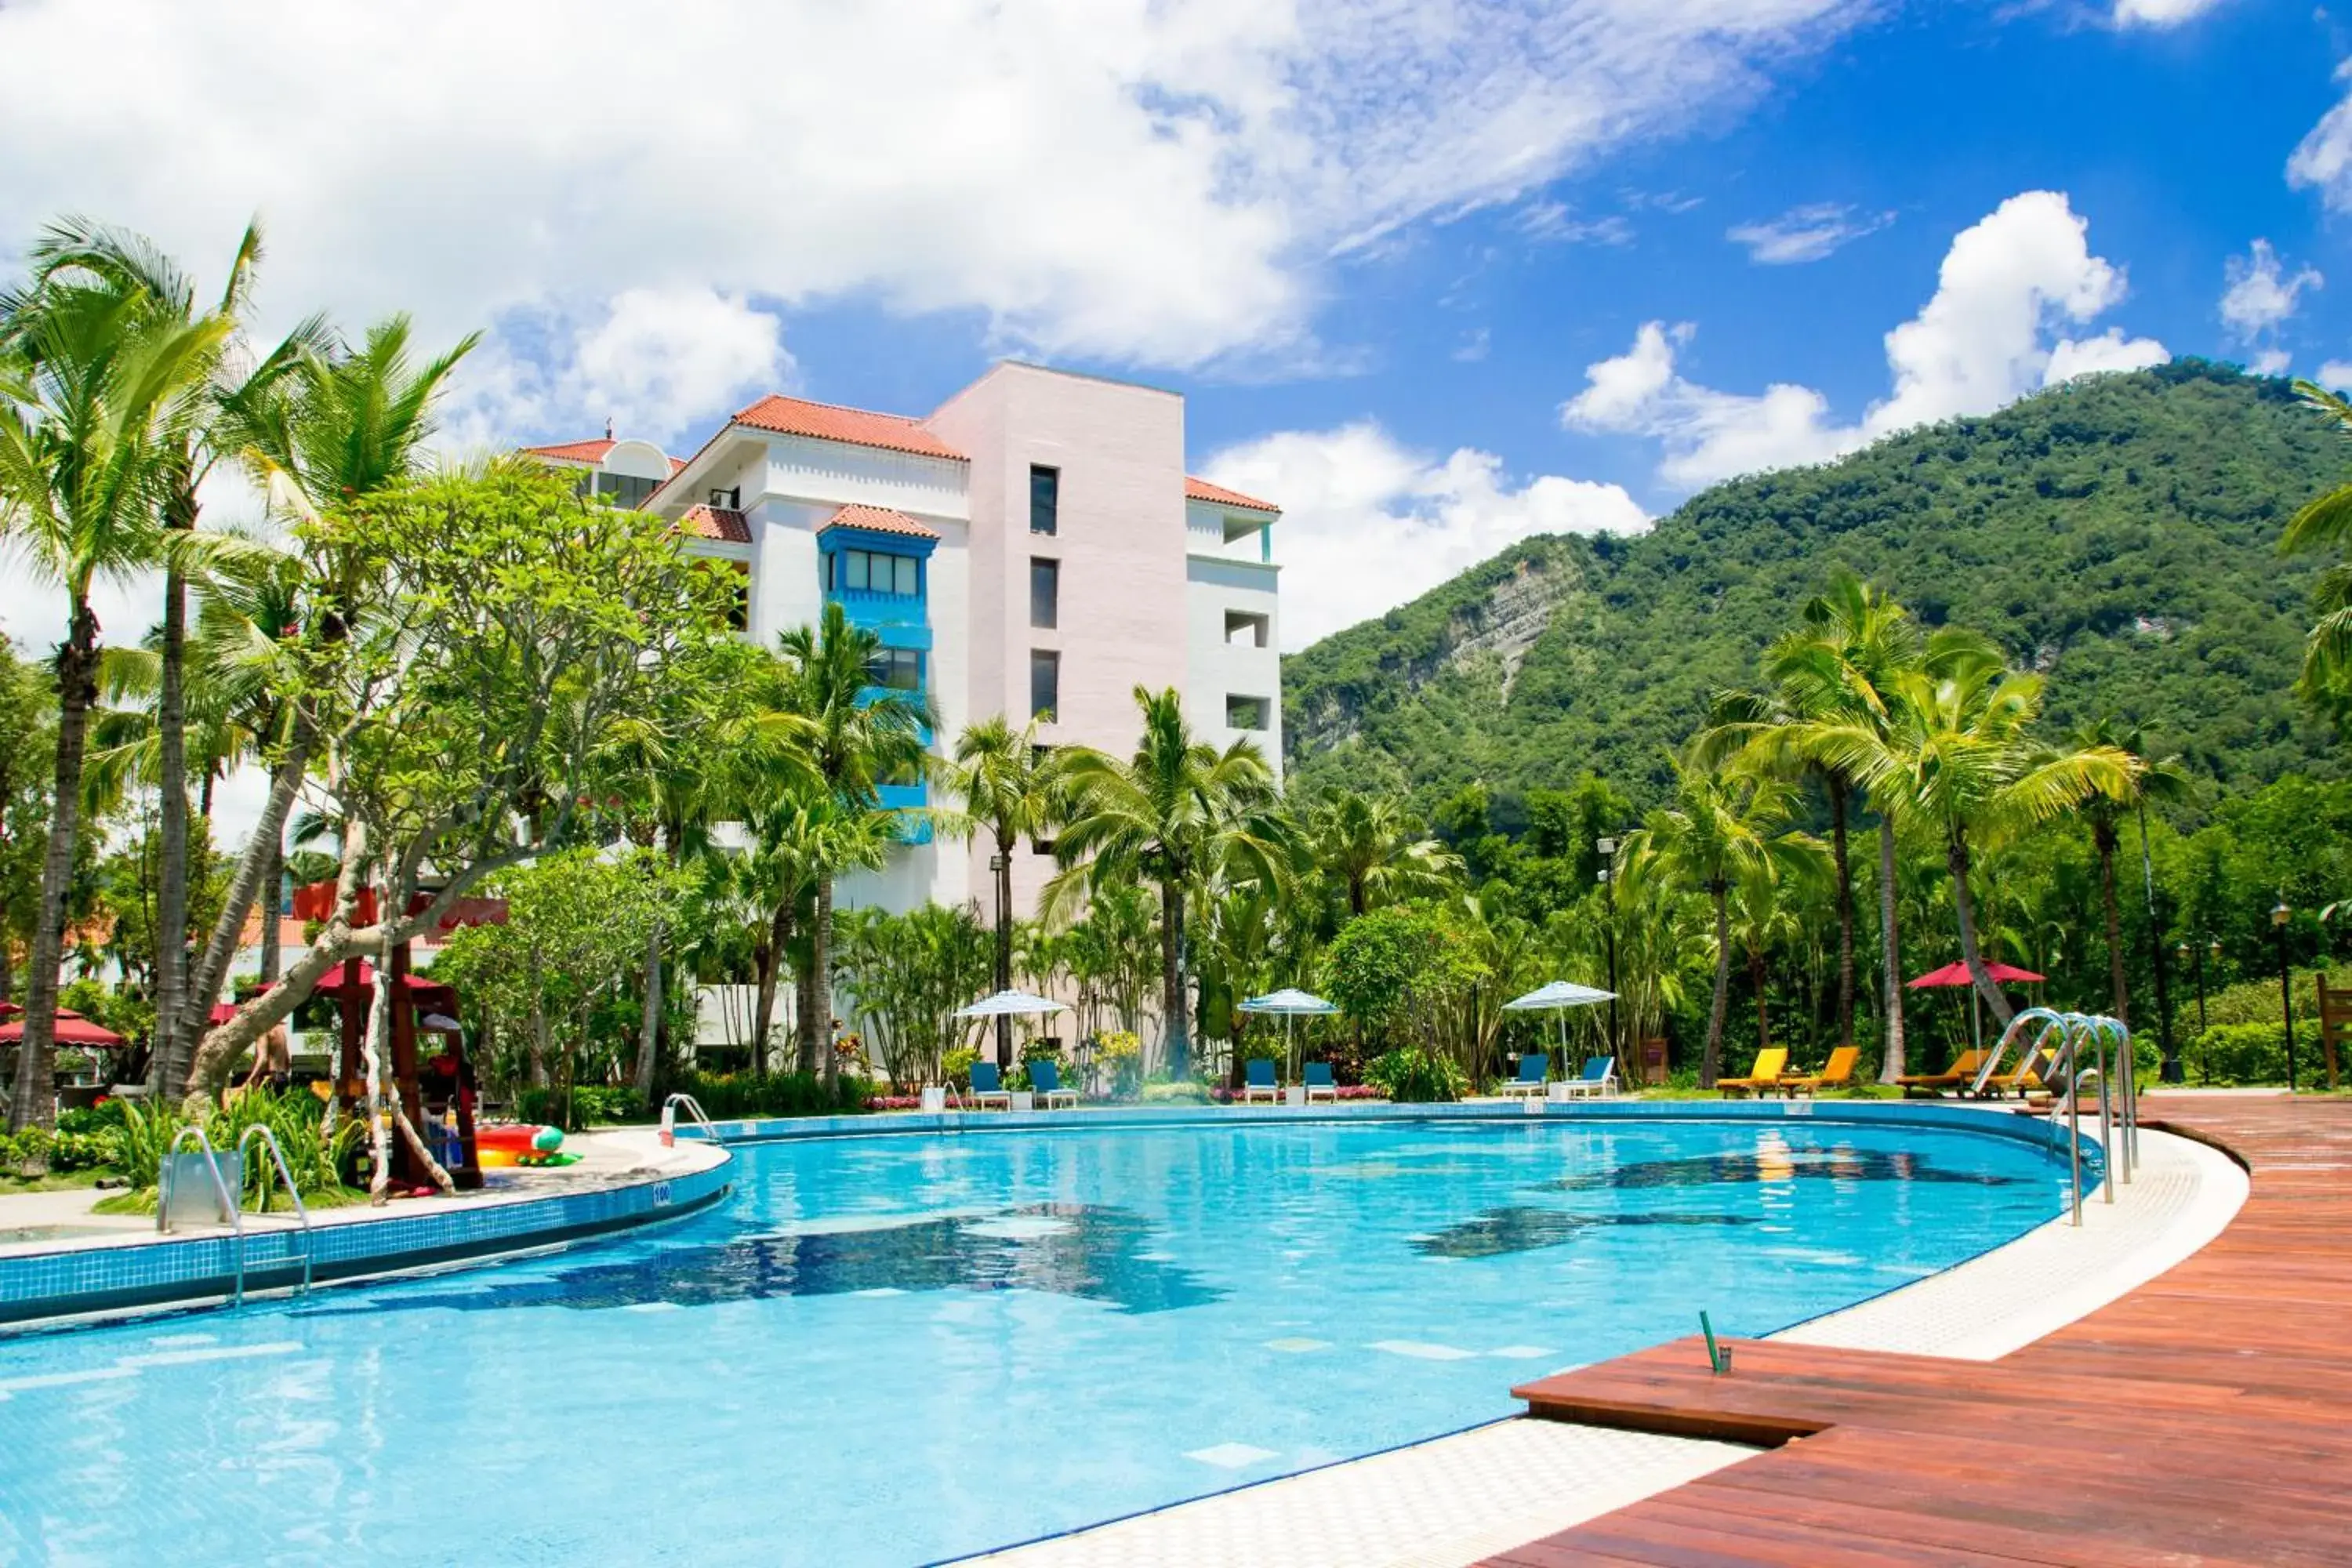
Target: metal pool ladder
{"x":693,"y":1109}
{"x":232,"y":1205}
{"x":2109,"y":1064}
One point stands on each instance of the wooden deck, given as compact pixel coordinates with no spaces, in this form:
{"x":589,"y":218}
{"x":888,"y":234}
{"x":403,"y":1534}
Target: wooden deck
{"x":2205,"y":1418}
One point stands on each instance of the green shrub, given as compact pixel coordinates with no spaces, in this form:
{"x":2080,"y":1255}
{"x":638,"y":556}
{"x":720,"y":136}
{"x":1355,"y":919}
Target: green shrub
{"x":955,"y":1067}
{"x":315,"y":1157}
{"x":2255,"y":1054}
{"x":1410,"y":1076}
{"x":735,"y":1097}
{"x":106,"y":1116}
{"x":1182,"y":1091}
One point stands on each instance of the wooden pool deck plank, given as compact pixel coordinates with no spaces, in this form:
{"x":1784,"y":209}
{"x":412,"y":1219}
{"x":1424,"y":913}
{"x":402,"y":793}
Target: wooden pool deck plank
{"x":2206,"y":1419}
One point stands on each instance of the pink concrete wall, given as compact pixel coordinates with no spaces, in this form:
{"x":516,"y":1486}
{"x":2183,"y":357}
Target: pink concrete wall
{"x":1122,"y":545}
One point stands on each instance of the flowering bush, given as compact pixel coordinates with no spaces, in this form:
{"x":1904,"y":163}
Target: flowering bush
{"x":1224,"y":1096}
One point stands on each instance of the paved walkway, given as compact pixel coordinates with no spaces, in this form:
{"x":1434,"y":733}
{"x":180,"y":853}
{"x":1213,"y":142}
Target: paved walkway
{"x":2201,"y":1419}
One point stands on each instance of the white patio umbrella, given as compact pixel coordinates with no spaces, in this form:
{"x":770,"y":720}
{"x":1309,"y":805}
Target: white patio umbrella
{"x":1286,"y":1004}
{"x":1017,"y":1004}
{"x":1558,"y":996}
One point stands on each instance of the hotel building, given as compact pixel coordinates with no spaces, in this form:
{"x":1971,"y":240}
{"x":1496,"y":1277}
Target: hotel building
{"x":1032,"y":547}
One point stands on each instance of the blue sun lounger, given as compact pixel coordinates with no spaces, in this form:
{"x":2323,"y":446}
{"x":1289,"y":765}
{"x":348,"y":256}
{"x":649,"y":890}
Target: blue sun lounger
{"x":1046,"y":1077}
{"x":1321,"y":1081}
{"x":1534,"y":1068}
{"x":1597,"y":1081}
{"x":1258,"y":1078}
{"x":987,"y":1085}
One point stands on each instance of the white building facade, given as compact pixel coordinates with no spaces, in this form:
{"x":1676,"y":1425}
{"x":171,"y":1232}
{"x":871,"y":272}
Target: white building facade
{"x":1034,"y":548}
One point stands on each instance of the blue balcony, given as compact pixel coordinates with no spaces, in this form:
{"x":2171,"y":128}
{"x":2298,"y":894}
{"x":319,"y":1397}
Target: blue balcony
{"x":907,"y":797}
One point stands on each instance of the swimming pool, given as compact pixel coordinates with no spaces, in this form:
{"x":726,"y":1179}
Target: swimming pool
{"x":892,"y":1350}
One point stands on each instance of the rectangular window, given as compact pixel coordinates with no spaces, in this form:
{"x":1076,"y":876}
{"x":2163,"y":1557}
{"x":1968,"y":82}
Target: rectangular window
{"x":900,"y":669}
{"x":1045,"y":500}
{"x":1245,"y":630}
{"x":1245,"y":712}
{"x":1045,"y":593}
{"x":871,"y":571}
{"x":1044,"y":684}
{"x":626,"y":490}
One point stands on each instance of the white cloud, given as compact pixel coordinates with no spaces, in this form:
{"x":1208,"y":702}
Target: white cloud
{"x":2336,"y":373}
{"x":1555,"y":221}
{"x":2323,"y":160}
{"x":1138,"y":181}
{"x":1805,"y":233}
{"x":2005,"y":284}
{"x":2160,"y":13}
{"x":1368,"y":523}
{"x":2257,"y":298}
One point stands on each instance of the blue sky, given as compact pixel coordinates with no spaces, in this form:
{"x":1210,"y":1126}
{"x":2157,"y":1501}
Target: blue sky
{"x":1433,"y":275}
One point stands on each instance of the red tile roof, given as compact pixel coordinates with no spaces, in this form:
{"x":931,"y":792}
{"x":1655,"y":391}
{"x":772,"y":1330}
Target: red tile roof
{"x":717,"y":523}
{"x":675,"y":465}
{"x":1201,"y":489}
{"x":879,"y":520}
{"x":575,"y":451}
{"x":853,"y":427}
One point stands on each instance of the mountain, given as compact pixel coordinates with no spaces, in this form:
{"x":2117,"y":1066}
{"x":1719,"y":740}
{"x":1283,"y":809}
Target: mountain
{"x":2119,"y":533}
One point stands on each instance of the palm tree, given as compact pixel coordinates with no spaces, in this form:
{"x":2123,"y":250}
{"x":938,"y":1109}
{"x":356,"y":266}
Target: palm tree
{"x":2327,"y":524}
{"x":1718,"y":831}
{"x":96,"y":390}
{"x":1007,"y":785}
{"x":1174,"y":813}
{"x":858,"y":736}
{"x":1365,"y":846}
{"x":1955,"y":751}
{"x":2104,"y":812}
{"x":334,"y":426}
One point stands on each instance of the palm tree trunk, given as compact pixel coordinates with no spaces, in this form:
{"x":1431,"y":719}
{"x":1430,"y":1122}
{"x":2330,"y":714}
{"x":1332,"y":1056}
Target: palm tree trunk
{"x":273,"y":878}
{"x":804,"y":1020}
{"x":1956,"y":857}
{"x":1755,"y":982}
{"x":1175,"y":1024}
{"x":265,"y":850}
{"x":821,"y":977}
{"x":1838,"y":794}
{"x":1710,"y":1065}
{"x":172,"y":1031}
{"x":34,"y":1100}
{"x":1891,"y":1063}
{"x":767,"y":968}
{"x":649,"y":1021}
{"x":1004,"y":944}
{"x":2104,"y":838}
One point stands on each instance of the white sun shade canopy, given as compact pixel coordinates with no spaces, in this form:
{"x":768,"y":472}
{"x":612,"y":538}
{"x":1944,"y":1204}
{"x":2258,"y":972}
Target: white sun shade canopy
{"x":1288,"y":1003}
{"x":1558,"y":994}
{"x":1015,"y":1004}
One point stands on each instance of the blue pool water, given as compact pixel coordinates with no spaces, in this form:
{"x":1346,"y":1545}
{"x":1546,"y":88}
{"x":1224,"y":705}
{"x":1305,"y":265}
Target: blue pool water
{"x":892,"y":1350}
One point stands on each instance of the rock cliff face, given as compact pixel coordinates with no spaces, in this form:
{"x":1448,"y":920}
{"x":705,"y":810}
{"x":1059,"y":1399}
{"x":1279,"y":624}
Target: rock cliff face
{"x":2118,"y":534}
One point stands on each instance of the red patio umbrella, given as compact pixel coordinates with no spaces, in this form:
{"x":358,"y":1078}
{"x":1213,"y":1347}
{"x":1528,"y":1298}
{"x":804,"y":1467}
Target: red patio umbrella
{"x":1956,"y":974}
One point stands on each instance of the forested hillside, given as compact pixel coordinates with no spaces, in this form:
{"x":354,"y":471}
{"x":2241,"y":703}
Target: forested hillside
{"x":2118,"y":533}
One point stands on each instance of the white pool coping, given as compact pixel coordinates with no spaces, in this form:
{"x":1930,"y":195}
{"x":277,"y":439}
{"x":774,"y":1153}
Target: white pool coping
{"x":1450,"y":1502}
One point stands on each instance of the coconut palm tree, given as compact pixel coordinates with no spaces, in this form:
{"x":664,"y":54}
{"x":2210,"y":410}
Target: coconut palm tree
{"x":858,"y":735}
{"x":97,"y":391}
{"x":2327,"y":524}
{"x":1366,"y":847}
{"x":1007,"y":785}
{"x":2105,"y":812}
{"x":1957,"y":752}
{"x":1719,"y":830}
{"x":1175,"y":812}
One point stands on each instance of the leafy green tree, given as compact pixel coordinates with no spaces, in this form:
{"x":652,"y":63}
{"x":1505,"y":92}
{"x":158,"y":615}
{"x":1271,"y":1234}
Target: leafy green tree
{"x":1175,"y":813}
{"x":27,"y":739}
{"x":1365,"y":848}
{"x":2325,"y":523}
{"x":907,"y":974}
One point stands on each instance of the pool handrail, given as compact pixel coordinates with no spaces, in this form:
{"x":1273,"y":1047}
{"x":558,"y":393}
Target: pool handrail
{"x":164,"y":1181}
{"x":693,"y":1109}
{"x":301,"y":1210}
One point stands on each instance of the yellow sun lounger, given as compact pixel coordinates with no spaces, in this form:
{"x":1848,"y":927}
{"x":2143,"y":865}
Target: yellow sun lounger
{"x":1837,"y":1074}
{"x":1958,"y":1076}
{"x":2025,"y":1077}
{"x":1766,"y":1074}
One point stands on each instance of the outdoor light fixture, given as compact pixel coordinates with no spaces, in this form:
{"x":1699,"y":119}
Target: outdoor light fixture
{"x":2279,"y":914}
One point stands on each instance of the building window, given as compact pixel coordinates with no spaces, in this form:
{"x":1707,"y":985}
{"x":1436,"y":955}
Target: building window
{"x":1243,"y":629}
{"x":626,"y":490}
{"x":1245,"y":712}
{"x":900,"y":669}
{"x":871,"y":571}
{"x":1045,"y":500}
{"x":1045,"y":593}
{"x":1044,"y":684}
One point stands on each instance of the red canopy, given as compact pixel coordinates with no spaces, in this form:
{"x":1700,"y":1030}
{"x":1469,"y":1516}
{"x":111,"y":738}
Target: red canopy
{"x":222,"y":1013}
{"x":356,"y":977}
{"x":316,"y":901}
{"x":1957,"y":974}
{"x":73,"y":1029}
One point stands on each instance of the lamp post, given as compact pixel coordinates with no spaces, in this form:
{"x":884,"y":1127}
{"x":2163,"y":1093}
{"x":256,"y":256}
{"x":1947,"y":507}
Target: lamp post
{"x":2279,"y":914}
{"x":1607,"y":849}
